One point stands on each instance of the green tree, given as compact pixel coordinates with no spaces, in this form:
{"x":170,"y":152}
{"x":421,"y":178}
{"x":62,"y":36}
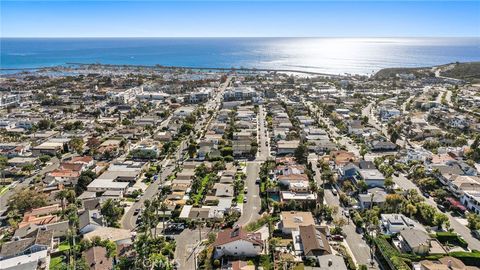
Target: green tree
{"x":192,"y":148}
{"x":3,"y":164}
{"x":44,"y":158}
{"x":301,"y":153}
{"x":389,"y":184}
{"x":394,"y":136}
{"x":112,"y":212}
{"x":410,"y":209}
{"x":441,"y":219}
{"x":426,"y":213}
{"x":77,"y":144}
{"x":83,"y":181}
{"x":28,"y":168}
{"x":473,"y":221}
{"x":362,"y":185}
{"x":44,"y":124}
{"x":27,"y":199}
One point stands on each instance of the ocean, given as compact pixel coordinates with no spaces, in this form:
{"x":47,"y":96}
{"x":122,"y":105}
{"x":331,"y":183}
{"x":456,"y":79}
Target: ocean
{"x":326,"y":55}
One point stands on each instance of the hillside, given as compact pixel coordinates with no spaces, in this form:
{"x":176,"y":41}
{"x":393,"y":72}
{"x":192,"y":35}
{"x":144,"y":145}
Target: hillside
{"x":388,"y":73}
{"x":464,"y":71}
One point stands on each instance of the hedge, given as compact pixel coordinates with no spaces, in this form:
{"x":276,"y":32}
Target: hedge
{"x":468,"y":258}
{"x":390,"y":254}
{"x":451,"y":238}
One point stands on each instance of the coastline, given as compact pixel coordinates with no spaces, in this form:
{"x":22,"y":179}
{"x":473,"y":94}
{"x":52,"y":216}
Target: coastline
{"x":221,"y":69}
{"x":160,"y":67}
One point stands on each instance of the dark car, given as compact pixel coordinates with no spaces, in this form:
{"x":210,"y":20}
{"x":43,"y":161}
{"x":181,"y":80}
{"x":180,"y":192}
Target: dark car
{"x":337,"y":237}
{"x":426,"y":195}
{"x":136,"y":212}
{"x":442,"y":208}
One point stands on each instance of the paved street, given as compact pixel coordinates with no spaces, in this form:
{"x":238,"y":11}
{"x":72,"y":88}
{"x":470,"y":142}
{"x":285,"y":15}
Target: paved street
{"x":252,"y":207}
{"x":457,"y":227}
{"x":333,"y":132}
{"x":188,"y":247}
{"x":129,"y":219}
{"x":263,"y":142}
{"x":357,"y":245}
{"x":55,"y":162}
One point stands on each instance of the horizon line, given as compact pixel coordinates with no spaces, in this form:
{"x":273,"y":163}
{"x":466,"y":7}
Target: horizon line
{"x":206,"y":37}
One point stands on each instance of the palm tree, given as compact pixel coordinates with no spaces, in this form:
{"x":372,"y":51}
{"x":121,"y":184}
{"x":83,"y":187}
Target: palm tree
{"x":62,"y":195}
{"x":155,"y":204}
{"x":164,"y":208}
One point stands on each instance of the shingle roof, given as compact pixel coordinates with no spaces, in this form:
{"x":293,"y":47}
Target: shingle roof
{"x":313,"y":241}
{"x":235,"y":234}
{"x":96,"y":258}
{"x":415,"y":238}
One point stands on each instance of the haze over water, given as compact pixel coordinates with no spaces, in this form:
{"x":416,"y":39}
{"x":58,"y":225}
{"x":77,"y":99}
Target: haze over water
{"x":327,"y":55}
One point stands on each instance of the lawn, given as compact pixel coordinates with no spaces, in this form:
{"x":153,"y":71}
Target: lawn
{"x":57,"y":263}
{"x":3,"y":189}
{"x":199,"y":194}
{"x":63,"y":246}
{"x":240,"y":198}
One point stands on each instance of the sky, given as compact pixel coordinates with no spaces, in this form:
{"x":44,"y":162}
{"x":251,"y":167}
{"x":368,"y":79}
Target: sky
{"x":239,"y":18}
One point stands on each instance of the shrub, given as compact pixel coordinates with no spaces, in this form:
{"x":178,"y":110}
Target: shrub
{"x":451,"y":238}
{"x":468,"y":258}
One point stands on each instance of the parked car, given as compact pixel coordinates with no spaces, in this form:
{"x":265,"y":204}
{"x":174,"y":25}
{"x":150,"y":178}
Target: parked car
{"x":244,"y":200}
{"x":335,"y":192}
{"x":476,"y":234}
{"x":426,"y":195}
{"x":337,"y":237}
{"x":442,"y":208}
{"x":245,"y":190}
{"x":257,"y":181}
{"x":136,"y":212}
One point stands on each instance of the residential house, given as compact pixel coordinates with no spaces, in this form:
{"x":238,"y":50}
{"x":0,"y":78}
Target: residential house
{"x":96,"y":258}
{"x":377,"y":145}
{"x":471,"y":200}
{"x":292,"y":220}
{"x":444,"y":263}
{"x":373,"y":177}
{"x":287,"y":147}
{"x":373,"y":197}
{"x":22,"y":253}
{"x":414,"y":241}
{"x":310,"y":241}
{"x":394,"y":223}
{"x":237,"y":242}
{"x":89,"y":221}
{"x":118,"y":236}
